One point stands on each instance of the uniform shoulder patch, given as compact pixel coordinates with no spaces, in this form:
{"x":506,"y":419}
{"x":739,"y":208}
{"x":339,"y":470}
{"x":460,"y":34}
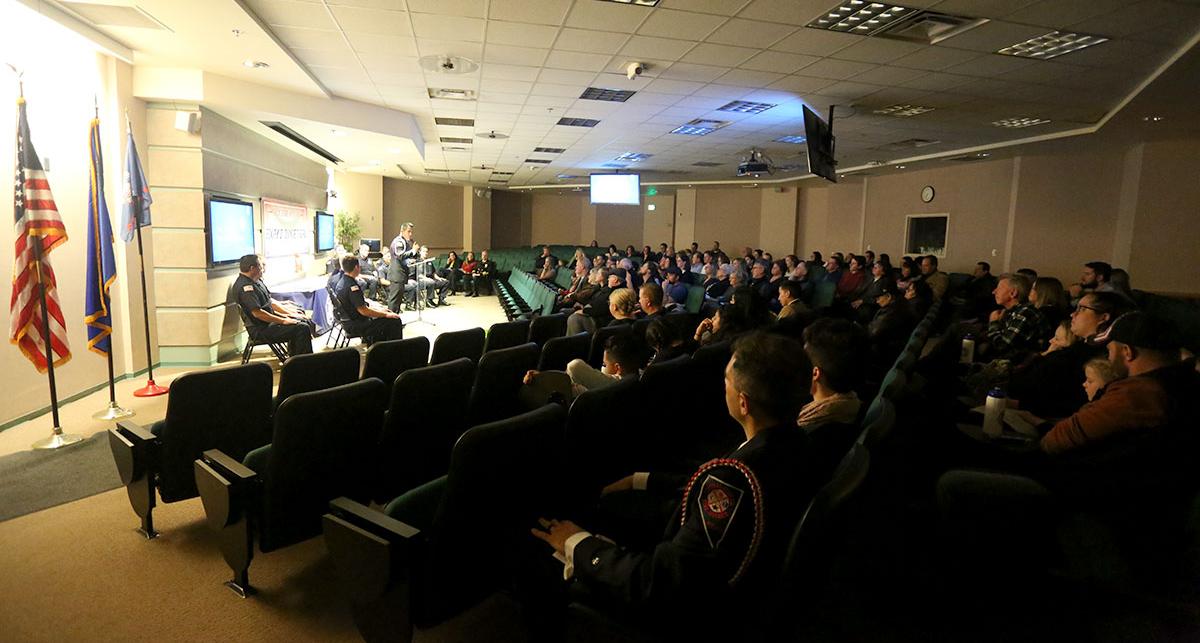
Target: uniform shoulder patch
{"x":353,"y":288}
{"x":718,"y":502}
{"x":248,"y":288}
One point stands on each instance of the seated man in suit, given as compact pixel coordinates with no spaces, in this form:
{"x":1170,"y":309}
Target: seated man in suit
{"x":728,"y":532}
{"x":369,"y":323}
{"x":485,"y":268}
{"x":266,"y":319}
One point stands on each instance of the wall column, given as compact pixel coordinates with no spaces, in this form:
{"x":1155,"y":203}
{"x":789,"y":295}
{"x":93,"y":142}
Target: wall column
{"x":685,"y":217}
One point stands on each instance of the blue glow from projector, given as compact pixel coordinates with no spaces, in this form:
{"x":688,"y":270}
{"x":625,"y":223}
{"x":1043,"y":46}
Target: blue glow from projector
{"x":230,"y":230}
{"x":619,"y":189}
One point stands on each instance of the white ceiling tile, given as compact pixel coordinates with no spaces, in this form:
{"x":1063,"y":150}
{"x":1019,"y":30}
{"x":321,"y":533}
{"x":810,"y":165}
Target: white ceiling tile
{"x":566,"y":77}
{"x":507,"y":55}
{"x":318,"y":39}
{"x":889,"y":75}
{"x":992,"y":65}
{"x":287,"y":13}
{"x":850,"y":90}
{"x":500,"y":108}
{"x":619,"y":81}
{"x":506,"y":86}
{"x":472,"y":50}
{"x":935,"y":58}
{"x":369,"y":43}
{"x":547,"y":12}
{"x":644,"y":98}
{"x":392,"y":23}
{"x":443,"y":27}
{"x":790,"y":12}
{"x":680,"y":24}
{"x":389,"y":63}
{"x":521,"y":34}
{"x":749,"y":78}
{"x":1061,"y":13}
{"x":397,"y":79}
{"x":720,"y":55}
{"x":607,"y":16}
{"x":801,"y":84}
{"x":728,"y":92}
{"x":993,"y":36}
{"x":816,"y":42}
{"x":344,"y":58}
{"x":981,"y":8}
{"x":449,"y":81}
{"x":468,"y":8}
{"x":596,"y":42}
{"x":387,"y":5}
{"x":704,"y":103}
{"x":664,"y":86}
{"x":1136,"y":17}
{"x":778,"y":61}
{"x":741,"y":32}
{"x":688,"y":71}
{"x":501,"y":98}
{"x":509,"y":72}
{"x":660,"y":48}
{"x":937,"y":81}
{"x":551,"y":89}
{"x":578,"y":61}
{"x":836,"y":69}
{"x":561,"y":102}
{"x":877,"y":50}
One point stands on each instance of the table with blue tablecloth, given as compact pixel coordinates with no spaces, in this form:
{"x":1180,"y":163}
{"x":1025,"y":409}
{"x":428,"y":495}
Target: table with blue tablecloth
{"x":309,"y":294}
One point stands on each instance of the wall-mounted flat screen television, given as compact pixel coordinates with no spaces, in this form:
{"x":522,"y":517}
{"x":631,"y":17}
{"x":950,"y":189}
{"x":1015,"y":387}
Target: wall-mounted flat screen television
{"x":821,"y":143}
{"x":324,"y":229}
{"x":229,"y":230}
{"x":373,"y":245}
{"x":620,"y":189}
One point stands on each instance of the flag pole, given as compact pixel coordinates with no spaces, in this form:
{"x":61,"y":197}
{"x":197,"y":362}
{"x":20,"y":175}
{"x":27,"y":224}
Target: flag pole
{"x":150,"y":389}
{"x":58,"y":439}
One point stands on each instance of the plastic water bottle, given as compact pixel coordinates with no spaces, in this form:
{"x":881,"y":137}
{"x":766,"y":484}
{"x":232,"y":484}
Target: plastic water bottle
{"x":967,"y":355}
{"x":993,"y":413}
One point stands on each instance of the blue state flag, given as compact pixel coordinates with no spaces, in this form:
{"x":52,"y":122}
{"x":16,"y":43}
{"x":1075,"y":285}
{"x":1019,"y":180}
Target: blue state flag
{"x":135,"y":212}
{"x":101,"y":266}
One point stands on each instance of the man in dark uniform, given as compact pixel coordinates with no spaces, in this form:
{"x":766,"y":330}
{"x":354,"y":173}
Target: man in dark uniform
{"x":404,"y":252}
{"x":732,"y":522}
{"x":483,"y":272}
{"x":266,"y":319}
{"x":369,"y":324}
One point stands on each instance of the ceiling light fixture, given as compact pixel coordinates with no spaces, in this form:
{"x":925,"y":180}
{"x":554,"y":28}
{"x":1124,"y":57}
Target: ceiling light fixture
{"x":452,"y":94}
{"x":438,"y":64}
{"x":745,"y":107}
{"x":1154,"y":119}
{"x":550,"y":150}
{"x":1019,"y":122}
{"x":255,"y":64}
{"x":903,"y":111}
{"x":699,"y":127}
{"x":611,"y":95}
{"x":1052,"y":45}
{"x":860,"y":17}
{"x":794,"y":139}
{"x":578,"y":122}
{"x":456,"y":122}
{"x":901,"y":167}
{"x":633,"y":157}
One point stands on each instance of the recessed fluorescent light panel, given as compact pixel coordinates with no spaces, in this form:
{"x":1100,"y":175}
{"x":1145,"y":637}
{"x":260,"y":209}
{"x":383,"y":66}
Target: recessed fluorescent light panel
{"x":794,"y":139}
{"x":633,"y":157}
{"x":578,"y":122}
{"x":455,"y":148}
{"x":699,"y":127}
{"x":611,"y":95}
{"x":903,"y":111}
{"x":495,"y":173}
{"x":1052,"y":45}
{"x":568,"y":176}
{"x":458,"y":122}
{"x":536,"y":161}
{"x":860,"y":17}
{"x":615,"y":165}
{"x":640,"y":3}
{"x":452,"y":139}
{"x":1018,"y":123}
{"x":550,"y":150}
{"x":707,"y":164}
{"x":452,"y":94}
{"x":745,"y":107}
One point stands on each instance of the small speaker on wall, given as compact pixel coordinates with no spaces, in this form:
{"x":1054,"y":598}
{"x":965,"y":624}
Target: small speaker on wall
{"x":188,"y":122}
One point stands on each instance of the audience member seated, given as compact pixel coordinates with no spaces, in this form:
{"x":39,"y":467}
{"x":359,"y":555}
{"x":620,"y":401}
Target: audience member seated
{"x":650,"y":301}
{"x":891,"y":326}
{"x":1016,"y":329}
{"x":594,"y":314}
{"x":833,"y":269}
{"x":580,"y":257}
{"x":920,"y":297}
{"x":545,"y":259}
{"x":836,"y":349}
{"x":1049,"y":385}
{"x":1119,"y":281}
{"x":268,"y":320}
{"x":1097,"y":375}
{"x":450,"y":272}
{"x":790,"y":293}
{"x":866,"y":304}
{"x":977,"y":294}
{"x":485,"y":268}
{"x":623,"y":358}
{"x":371,"y":323}
{"x":908,"y":273}
{"x":466,"y":272}
{"x":852,"y":283}
{"x":1050,"y":299}
{"x":938,"y":281}
{"x":675,"y":290}
{"x":727,"y":323}
{"x":664,"y":341}
{"x":622,"y":304}
{"x":1095,"y":278}
{"x":724,"y":548}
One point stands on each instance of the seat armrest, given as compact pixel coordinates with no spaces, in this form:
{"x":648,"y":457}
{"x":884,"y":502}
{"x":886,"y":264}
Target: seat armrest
{"x":227,"y":466}
{"x":227,"y":488}
{"x":134,"y":431}
{"x":135,"y":451}
{"x":370,"y":519}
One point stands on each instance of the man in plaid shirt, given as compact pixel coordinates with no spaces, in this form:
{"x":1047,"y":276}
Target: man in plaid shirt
{"x":1017,"y":329}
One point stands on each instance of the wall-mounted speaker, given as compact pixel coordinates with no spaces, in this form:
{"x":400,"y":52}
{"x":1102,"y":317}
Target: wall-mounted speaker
{"x":188,"y":122}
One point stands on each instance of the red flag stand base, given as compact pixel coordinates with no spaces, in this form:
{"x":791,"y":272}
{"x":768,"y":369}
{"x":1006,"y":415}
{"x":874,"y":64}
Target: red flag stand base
{"x":151,"y":390}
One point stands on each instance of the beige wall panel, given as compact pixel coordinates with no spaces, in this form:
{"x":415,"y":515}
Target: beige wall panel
{"x":658,"y":224}
{"x":435,"y":209}
{"x":170,"y":167}
{"x":179,"y":248}
{"x":506,"y":218}
{"x":685,"y":220}
{"x":188,"y":327}
{"x":812,"y":228}
{"x":587,"y":224}
{"x":729,"y":215}
{"x":177,"y":208}
{"x":228,"y":139}
{"x":618,"y":224}
{"x":1166,"y":240}
{"x":777,"y":227}
{"x":843,"y":224}
{"x":182,"y":288}
{"x":232,"y":176}
{"x":557,"y":218}
{"x":160,"y":127}
{"x":481,"y":220}
{"x":362,"y":193}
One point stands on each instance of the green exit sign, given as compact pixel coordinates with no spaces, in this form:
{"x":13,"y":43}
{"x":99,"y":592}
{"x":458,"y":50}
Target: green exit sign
{"x":651,"y":191}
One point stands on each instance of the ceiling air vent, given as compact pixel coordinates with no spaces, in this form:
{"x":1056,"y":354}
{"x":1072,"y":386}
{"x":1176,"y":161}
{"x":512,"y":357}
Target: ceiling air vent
{"x":295,"y":137}
{"x":460,"y":122}
{"x":707,"y":164}
{"x":455,"y":139}
{"x":108,"y":15}
{"x":968,"y":158}
{"x":929,"y":27}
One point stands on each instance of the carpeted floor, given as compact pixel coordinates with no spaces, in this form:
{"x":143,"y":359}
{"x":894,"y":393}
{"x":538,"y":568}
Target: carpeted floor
{"x":34,"y":480}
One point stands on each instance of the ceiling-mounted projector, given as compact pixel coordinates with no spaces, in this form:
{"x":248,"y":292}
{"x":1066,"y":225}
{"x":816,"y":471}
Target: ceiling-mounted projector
{"x":755,"y":164}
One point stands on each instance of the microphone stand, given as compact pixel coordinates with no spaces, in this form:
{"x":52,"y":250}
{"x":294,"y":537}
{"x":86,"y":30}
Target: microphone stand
{"x":419,"y":268}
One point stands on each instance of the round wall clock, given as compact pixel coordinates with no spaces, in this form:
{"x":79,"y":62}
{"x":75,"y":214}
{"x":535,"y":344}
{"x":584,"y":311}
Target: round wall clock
{"x":927,"y":194}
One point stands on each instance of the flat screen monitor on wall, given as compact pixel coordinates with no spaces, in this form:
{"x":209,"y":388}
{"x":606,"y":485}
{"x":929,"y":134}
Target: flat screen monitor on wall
{"x":229,"y":230}
{"x":821,"y":143}
{"x":620,"y":189}
{"x":324,"y":228}
{"x":373,"y":245}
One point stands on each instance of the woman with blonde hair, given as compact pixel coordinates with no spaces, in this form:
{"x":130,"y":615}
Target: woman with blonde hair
{"x":1050,"y":299}
{"x":621,"y":305}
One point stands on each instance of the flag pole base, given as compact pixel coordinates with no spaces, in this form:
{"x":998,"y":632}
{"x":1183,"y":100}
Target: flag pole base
{"x":58,"y":440}
{"x":151,"y":390}
{"x":112,"y":412}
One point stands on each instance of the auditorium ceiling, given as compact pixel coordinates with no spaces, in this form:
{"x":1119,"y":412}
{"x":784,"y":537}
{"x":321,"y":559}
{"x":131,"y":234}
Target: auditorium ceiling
{"x":959,"y":80}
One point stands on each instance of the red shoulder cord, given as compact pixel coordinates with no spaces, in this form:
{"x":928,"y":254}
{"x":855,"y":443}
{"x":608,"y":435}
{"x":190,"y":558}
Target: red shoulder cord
{"x":755,"y":494}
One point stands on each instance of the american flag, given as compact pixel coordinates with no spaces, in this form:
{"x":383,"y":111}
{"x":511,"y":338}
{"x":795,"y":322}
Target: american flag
{"x":36,"y":216}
